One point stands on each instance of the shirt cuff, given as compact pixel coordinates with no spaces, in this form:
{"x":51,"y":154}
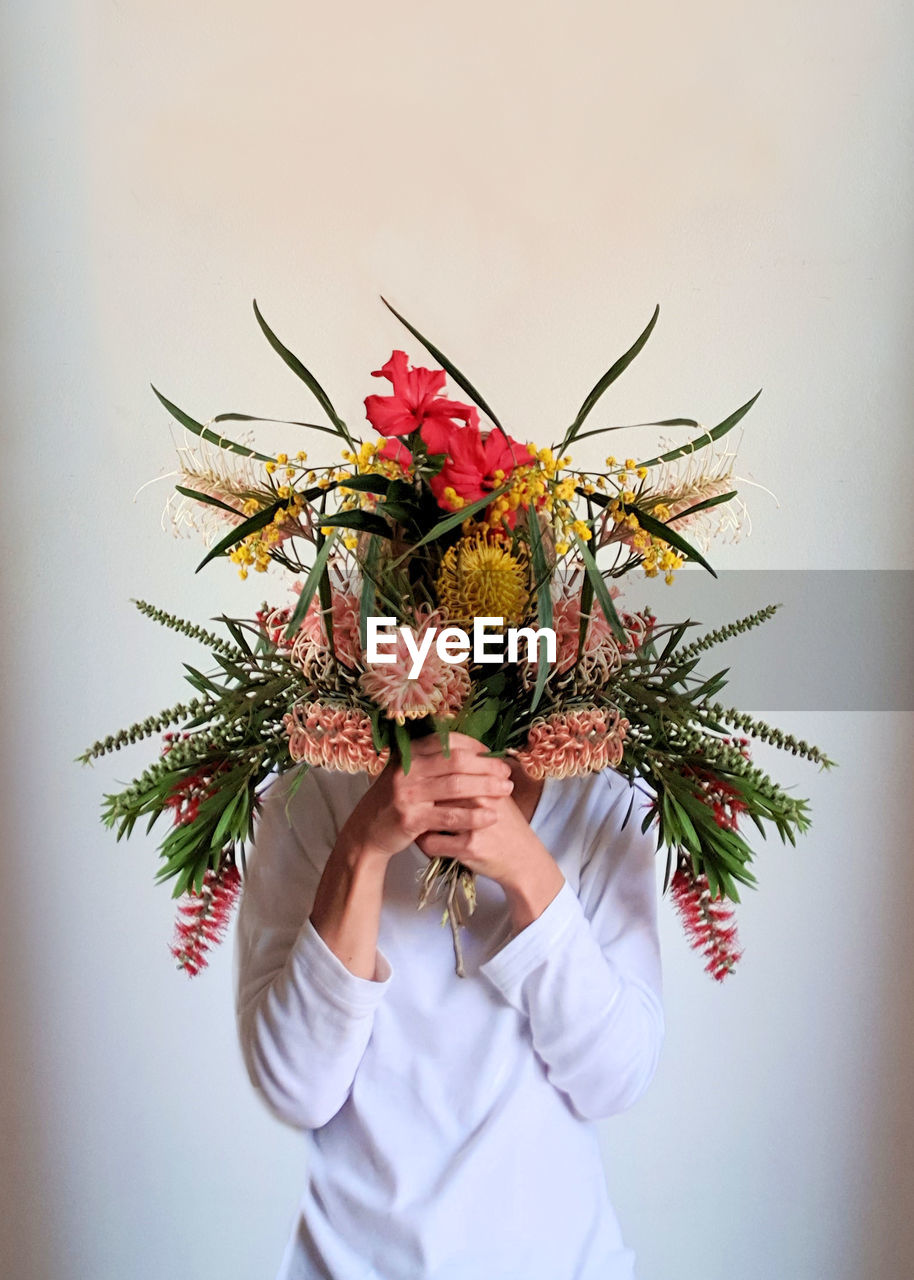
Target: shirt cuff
{"x":534,"y":944}
{"x":325,"y":970}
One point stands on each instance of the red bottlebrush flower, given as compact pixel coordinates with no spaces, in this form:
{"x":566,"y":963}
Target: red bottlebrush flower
{"x":708,"y":923}
{"x":186,"y":795}
{"x":204,"y":917}
{"x":274,"y":622}
{"x":416,"y":400}
{"x":724,"y":799}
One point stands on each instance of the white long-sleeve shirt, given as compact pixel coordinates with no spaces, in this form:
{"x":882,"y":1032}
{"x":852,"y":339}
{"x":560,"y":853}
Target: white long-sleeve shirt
{"x":450,"y":1121}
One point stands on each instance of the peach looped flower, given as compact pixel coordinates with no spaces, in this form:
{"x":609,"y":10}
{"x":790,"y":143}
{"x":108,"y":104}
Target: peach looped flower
{"x":333,"y":738}
{"x":345,"y":607}
{"x":572,"y":743}
{"x":439,"y":689}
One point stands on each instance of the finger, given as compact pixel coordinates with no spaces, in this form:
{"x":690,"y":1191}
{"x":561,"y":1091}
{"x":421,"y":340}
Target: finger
{"x":463,"y":763}
{"x":467,"y":786}
{"x":435,"y":845}
{"x":462,"y":742}
{"x":455,"y":817}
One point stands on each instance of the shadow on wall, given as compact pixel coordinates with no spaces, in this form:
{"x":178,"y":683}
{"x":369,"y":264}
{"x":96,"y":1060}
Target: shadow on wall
{"x":887,"y":1230}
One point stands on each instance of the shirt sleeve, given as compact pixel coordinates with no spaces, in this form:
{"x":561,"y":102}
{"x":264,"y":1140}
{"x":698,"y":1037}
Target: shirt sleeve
{"x":586,"y":973}
{"x":303,"y":1018}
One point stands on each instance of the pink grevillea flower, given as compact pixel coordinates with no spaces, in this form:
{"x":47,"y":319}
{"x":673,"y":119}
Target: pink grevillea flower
{"x":708,"y":923}
{"x":333,"y":738}
{"x":438,"y":689}
{"x":345,"y":617}
{"x":599,"y":640}
{"x":572,"y":743}
{"x":204,"y":917}
{"x":416,"y":401}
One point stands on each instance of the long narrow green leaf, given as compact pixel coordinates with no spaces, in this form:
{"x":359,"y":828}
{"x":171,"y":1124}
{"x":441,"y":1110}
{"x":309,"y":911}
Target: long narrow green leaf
{"x":608,"y":379}
{"x":311,"y":583}
{"x":366,"y":521}
{"x":543,"y":601}
{"x":586,"y":605}
{"x":285,"y":422}
{"x":459,"y":378}
{"x":703,"y":505}
{"x":367,"y":484}
{"x":401,"y":737}
{"x":213,"y":437}
{"x":241,"y":531}
{"x":661,"y":530}
{"x":630,"y":426}
{"x":604,"y":599}
{"x":451,"y":522}
{"x":206,"y":497}
{"x":368,"y":594}
{"x":691,"y":446}
{"x":306,"y":376}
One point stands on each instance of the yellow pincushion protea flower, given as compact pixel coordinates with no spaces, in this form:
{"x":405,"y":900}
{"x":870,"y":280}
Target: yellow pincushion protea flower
{"x":480,"y":577}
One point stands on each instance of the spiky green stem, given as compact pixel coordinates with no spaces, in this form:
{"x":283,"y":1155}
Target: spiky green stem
{"x":723,"y":633}
{"x":186,"y":628}
{"x":145,"y":728}
{"x":767,"y":733}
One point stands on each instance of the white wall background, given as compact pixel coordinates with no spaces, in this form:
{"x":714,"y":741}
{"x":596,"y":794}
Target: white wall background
{"x":525,"y":180}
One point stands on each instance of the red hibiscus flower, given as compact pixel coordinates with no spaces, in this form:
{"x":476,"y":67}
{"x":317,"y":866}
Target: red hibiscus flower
{"x":475,"y":464}
{"x":416,"y":401}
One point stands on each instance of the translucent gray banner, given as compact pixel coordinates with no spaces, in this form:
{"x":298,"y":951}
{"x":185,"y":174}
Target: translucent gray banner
{"x":841,"y":641}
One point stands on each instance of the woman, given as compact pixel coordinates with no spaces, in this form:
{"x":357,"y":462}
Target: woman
{"x":451,"y":1120}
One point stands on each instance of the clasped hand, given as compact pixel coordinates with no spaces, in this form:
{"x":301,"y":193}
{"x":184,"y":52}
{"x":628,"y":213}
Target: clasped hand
{"x":459,"y":806}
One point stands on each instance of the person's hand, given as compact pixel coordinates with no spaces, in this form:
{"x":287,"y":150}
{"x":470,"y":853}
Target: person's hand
{"x":438,"y":794}
{"x":508,"y":851}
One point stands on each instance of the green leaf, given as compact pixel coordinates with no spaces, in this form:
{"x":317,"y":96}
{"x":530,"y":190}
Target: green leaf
{"x":543,"y":601}
{"x":364,"y":521}
{"x":306,"y":376}
{"x":604,"y":599}
{"x":450,"y":522}
{"x":708,"y":502}
{"x":199,"y":430}
{"x":691,"y":446}
{"x":478,"y":722}
{"x":311,"y":583}
{"x":367,"y":484}
{"x":367,"y":596}
{"x":459,"y":378}
{"x":207,"y":497}
{"x":401,"y":737}
{"x":630,"y":426}
{"x":661,"y":530}
{"x":240,"y":532}
{"x":585,"y":606}
{"x":608,"y":379}
{"x":225,"y":821}
{"x":285,"y":422}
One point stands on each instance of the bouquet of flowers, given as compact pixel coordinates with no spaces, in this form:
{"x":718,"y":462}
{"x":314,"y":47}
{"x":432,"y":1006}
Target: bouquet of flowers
{"x":446,"y":577}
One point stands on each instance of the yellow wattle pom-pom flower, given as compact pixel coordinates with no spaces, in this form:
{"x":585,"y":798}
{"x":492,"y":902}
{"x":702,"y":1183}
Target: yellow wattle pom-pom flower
{"x":479,"y":577}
